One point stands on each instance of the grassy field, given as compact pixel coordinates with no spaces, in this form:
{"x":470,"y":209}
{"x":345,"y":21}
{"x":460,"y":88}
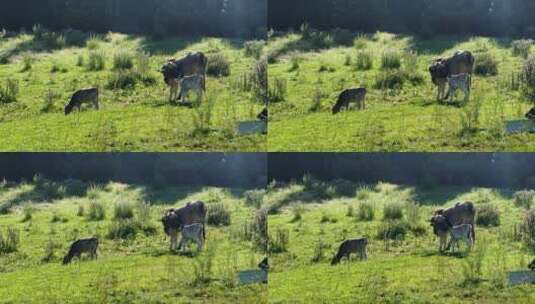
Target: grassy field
{"x":47,"y":68}
{"x":310,"y":219}
{"x":309,"y":69}
{"x":134,"y":263}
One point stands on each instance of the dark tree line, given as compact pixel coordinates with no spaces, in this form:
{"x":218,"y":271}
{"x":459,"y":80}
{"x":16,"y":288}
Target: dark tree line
{"x":162,"y":17}
{"x":426,"y":17}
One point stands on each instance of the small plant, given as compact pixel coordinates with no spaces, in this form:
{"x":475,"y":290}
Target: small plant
{"x":9,"y":91}
{"x":389,"y":80}
{"x":218,"y":215}
{"x":122,"y":79}
{"x":80,"y":60}
{"x":96,"y":211}
{"x":143,"y":63}
{"x":50,"y":251}
{"x":254,"y":48}
{"x":524,"y":198}
{"x":254,"y":198}
{"x":470,"y":116}
{"x":393,"y":211}
{"x":202,"y":115}
{"x":364,"y":60}
{"x":218,"y":66}
{"x":528,"y":77}
{"x":487,"y":215}
{"x":280,"y":240}
{"x":390,"y":60}
{"x":80,"y":211}
{"x":305,"y":30}
{"x":393,"y":230}
{"x":123,"y":210}
{"x":96,"y":61}
{"x":123,"y":229}
{"x":38,"y":30}
{"x":295,"y":60}
{"x":350,"y":211}
{"x":316,"y":101}
{"x":360,"y":42}
{"x":93,"y":42}
{"x":48,"y":101}
{"x":528,"y":227}
{"x":473,"y":264}
{"x":366,"y":211}
{"x":27,"y":62}
{"x":259,"y":80}
{"x":10,"y":241}
{"x":319,"y":251}
{"x":202,"y":266}
{"x":486,"y":65}
{"x":410,"y":61}
{"x":297,"y":211}
{"x":123,"y":60}
{"x":522,"y":47}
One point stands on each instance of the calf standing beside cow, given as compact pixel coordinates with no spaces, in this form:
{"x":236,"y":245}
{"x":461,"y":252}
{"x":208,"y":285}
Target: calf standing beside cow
{"x":189,"y":72}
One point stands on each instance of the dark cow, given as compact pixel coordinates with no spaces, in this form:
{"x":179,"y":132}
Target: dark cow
{"x":175,"y":219}
{"x":82,"y":96}
{"x":461,"y":213}
{"x":263,"y":116}
{"x":357,"y":95}
{"x":191,"y":64}
{"x":440,"y":229}
{"x":462,"y":62}
{"x":358,"y":246}
{"x":89,"y":246}
{"x":532,"y":265}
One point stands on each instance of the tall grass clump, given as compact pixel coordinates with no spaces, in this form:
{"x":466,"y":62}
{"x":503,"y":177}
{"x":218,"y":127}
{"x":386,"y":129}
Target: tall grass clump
{"x":524,"y":198}
{"x":96,"y":61}
{"x":473,"y":264}
{"x":9,"y":91}
{"x":218,"y":215}
{"x":277,"y":90}
{"x":254,"y":48}
{"x":366,"y":211}
{"x":96,"y":211}
{"x":528,"y":77}
{"x":123,"y":60}
{"x":93,"y":42}
{"x":38,"y":30}
{"x":202,"y":266}
{"x":254,"y":198}
{"x":202,"y":115}
{"x":393,"y":211}
{"x":27,"y":62}
{"x":389,"y":79}
{"x":470,"y":116}
{"x":528,"y":225}
{"x":487,"y":215}
{"x":259,"y":80}
{"x":390,"y":60}
{"x":123,"y":210}
{"x":364,"y":60}
{"x":218,"y":66}
{"x":521,"y":47}
{"x":486,"y":65}
{"x":27,"y":213}
{"x":9,"y":242}
{"x":279,"y":240}
{"x":393,"y":230}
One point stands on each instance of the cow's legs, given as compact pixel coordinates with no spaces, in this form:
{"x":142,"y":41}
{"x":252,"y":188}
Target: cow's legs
{"x":173,"y":239}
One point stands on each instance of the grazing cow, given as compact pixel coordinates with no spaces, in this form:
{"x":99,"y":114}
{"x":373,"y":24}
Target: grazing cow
{"x":89,"y":246}
{"x":357,"y":96}
{"x":461,"y":213}
{"x":532,"y":265}
{"x":193,"y":232}
{"x":459,"y":82}
{"x":264,"y":265}
{"x":82,"y":96}
{"x":458,"y":233}
{"x":175,"y":219}
{"x":357,"y":246}
{"x":440,"y":229}
{"x":191,"y":64}
{"x":191,"y":83}
{"x":462,"y":62}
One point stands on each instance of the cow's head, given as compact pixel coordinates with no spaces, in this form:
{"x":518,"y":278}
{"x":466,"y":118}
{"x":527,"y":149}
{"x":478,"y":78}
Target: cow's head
{"x":439,"y":223}
{"x":170,"y":221}
{"x":438,"y":70}
{"x":68,"y":109}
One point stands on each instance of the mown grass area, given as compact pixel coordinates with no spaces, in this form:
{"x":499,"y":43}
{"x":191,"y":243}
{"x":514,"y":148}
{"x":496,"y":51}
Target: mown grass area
{"x":309,"y":69}
{"x":44,"y":69}
{"x":309,"y":220}
{"x":134,"y":263}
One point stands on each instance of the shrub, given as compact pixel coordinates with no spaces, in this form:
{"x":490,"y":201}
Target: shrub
{"x":254,"y":198}
{"x":393,"y":211}
{"x":360,"y":42}
{"x":522,"y":47}
{"x":96,"y":61}
{"x":96,"y":211}
{"x":218,"y":65}
{"x":10,"y":241}
{"x":393,"y":230}
{"x":123,"y":60}
{"x":38,"y":30}
{"x":218,"y":215}
{"x":93,"y":42}
{"x":53,"y":40}
{"x":366,"y":211}
{"x":390,"y":60}
{"x":278,"y":241}
{"x":9,"y":91}
{"x":389,"y":80}
{"x":254,"y":48}
{"x":486,"y":65}
{"x":123,"y":210}
{"x":364,"y":192}
{"x":524,"y":198}
{"x":487,"y":215}
{"x":364,"y":60}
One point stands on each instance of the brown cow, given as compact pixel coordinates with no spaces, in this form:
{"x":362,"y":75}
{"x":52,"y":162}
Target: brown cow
{"x":192,"y":64}
{"x":358,"y":246}
{"x":462,"y":62}
{"x":461,"y":213}
{"x":175,"y":219}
